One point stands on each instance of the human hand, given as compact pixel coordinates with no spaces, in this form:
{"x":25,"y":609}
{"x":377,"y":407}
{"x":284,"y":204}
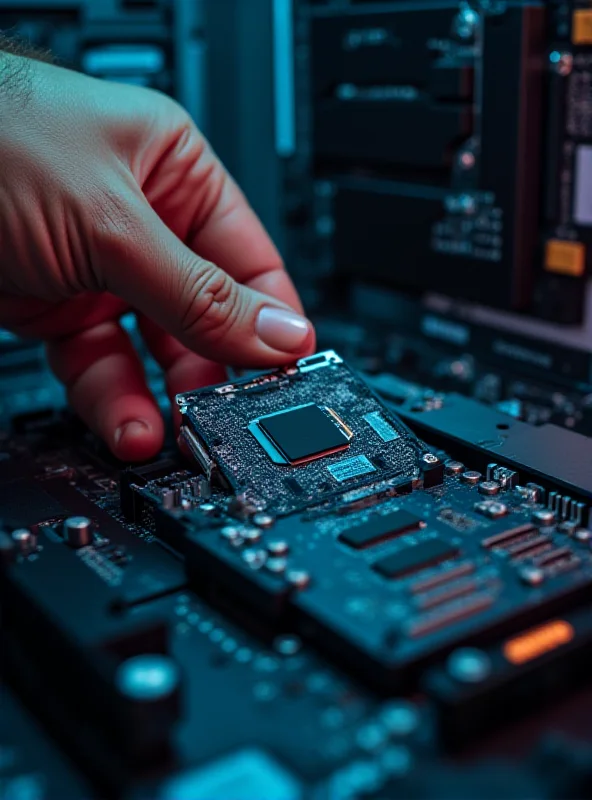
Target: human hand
{"x":111,"y":200}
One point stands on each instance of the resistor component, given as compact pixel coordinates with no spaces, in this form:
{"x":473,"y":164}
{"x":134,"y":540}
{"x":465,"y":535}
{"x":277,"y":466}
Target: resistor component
{"x":432,"y":469}
{"x":506,"y":478}
{"x":528,"y":494}
{"x":199,"y":487}
{"x":538,"y":491}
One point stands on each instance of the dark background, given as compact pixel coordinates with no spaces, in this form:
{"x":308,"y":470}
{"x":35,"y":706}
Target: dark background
{"x":217,"y":60}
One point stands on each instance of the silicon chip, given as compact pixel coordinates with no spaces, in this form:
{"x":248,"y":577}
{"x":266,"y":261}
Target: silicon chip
{"x":304,"y":435}
{"x":416,"y":557}
{"x":293,"y":485}
{"x":305,"y":432}
{"x":380,"y":528}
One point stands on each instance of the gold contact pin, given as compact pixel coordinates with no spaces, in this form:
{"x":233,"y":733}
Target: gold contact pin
{"x":347,"y":430}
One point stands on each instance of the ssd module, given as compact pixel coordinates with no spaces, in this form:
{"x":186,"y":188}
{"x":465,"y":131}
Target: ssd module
{"x":295,"y":437}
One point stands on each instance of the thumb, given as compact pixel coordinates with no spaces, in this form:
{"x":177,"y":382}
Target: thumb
{"x":145,"y":264}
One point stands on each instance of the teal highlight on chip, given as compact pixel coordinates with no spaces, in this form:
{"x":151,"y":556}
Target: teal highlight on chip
{"x":383,"y":428}
{"x":351,"y":468}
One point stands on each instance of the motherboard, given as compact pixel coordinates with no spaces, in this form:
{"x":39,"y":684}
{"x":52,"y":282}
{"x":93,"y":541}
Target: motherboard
{"x":319,"y":595}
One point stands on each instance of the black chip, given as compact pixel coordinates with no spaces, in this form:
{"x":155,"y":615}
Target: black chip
{"x":411,"y":559}
{"x":294,"y":486}
{"x":378,"y":528}
{"x":304,"y":432}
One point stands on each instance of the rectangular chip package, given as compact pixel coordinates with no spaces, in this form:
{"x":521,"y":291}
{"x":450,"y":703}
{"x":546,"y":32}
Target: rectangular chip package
{"x":291,"y":438}
{"x":415,"y":557}
{"x":380,"y":528}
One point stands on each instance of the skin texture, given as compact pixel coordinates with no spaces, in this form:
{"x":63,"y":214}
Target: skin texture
{"x":111,"y":200}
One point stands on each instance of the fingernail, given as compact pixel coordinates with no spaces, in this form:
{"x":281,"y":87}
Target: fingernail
{"x":133,"y":429}
{"x":282,"y":329}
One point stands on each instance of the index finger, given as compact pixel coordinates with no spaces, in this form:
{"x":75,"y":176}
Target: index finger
{"x":196,"y":198}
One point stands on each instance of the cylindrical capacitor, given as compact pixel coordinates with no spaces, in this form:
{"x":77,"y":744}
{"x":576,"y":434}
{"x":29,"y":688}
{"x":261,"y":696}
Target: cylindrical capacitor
{"x":489,"y":487}
{"x":24,"y":540}
{"x":78,"y":531}
{"x":471,"y":476}
{"x":454,"y":467}
{"x":543,"y":516}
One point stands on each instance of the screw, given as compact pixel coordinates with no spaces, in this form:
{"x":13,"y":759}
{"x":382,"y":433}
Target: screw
{"x":430,"y":458}
{"x":469,"y":665}
{"x":400,"y":717}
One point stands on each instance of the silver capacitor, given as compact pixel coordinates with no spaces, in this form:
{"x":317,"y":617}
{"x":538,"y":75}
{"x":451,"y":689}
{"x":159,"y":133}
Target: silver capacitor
{"x":24,"y":540}
{"x":78,"y":531}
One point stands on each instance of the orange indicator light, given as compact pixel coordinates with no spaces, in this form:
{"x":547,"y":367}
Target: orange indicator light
{"x":537,"y":641}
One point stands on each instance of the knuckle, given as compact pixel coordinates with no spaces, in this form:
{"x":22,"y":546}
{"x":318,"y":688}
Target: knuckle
{"x":166,"y":102}
{"x":113,"y":227}
{"x":113,"y":236}
{"x":163,"y":108}
{"x":212,"y":302}
{"x":112,"y":216}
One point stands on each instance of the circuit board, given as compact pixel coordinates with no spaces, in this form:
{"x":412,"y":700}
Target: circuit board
{"x":299,"y":436}
{"x":197,"y":642}
{"x":390,"y":583}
